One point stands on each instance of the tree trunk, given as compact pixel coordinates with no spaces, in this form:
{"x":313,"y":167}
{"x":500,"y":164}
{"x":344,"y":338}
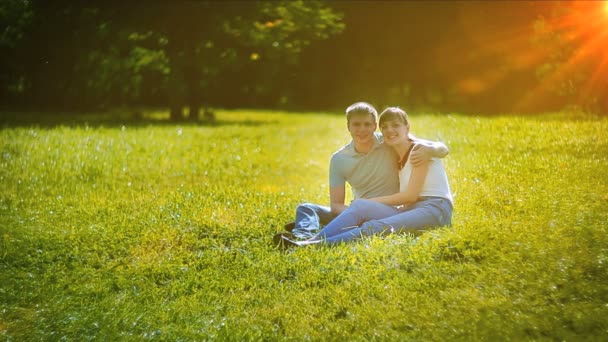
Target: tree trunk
{"x":176,"y":84}
{"x":192,"y":76}
{"x":604,"y":105}
{"x":175,"y":91}
{"x":603,"y":100}
{"x":194,"y":112}
{"x":176,"y":112}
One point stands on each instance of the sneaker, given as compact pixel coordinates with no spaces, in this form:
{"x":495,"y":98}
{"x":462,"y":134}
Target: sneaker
{"x":290,"y":226}
{"x":287,"y":243}
{"x":277,"y":239}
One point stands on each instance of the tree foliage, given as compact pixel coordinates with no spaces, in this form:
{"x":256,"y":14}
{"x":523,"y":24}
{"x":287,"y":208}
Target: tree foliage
{"x":491,"y":57}
{"x":176,"y":53}
{"x":574,"y":37}
{"x":15,"y":16}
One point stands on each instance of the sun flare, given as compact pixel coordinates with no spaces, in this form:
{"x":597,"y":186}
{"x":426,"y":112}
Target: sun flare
{"x":583,"y":30}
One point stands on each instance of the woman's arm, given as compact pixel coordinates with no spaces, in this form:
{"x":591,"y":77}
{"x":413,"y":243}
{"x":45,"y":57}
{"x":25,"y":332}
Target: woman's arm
{"x":414,"y":187}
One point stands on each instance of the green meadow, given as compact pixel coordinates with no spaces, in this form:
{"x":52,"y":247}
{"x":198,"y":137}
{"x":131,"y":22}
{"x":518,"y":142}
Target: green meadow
{"x":153,"y":230}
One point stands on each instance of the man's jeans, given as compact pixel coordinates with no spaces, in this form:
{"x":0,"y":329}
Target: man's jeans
{"x":310,"y":218}
{"x":365,"y":218}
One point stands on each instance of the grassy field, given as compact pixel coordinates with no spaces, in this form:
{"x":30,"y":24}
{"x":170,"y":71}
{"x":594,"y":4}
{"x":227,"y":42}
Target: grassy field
{"x":160,"y":231}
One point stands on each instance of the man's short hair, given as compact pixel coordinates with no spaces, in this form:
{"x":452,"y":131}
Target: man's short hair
{"x":394,"y":113}
{"x":361,"y":108}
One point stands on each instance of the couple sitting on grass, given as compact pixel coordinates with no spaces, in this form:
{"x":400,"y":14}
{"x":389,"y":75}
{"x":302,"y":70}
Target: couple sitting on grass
{"x":399,"y":184}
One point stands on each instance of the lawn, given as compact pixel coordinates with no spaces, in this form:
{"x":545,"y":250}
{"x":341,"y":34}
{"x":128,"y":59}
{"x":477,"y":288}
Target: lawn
{"x":160,"y":231}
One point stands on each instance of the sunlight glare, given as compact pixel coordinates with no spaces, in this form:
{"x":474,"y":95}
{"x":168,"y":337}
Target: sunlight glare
{"x":583,"y":27}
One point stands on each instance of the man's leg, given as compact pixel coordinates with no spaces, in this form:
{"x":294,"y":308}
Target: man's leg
{"x":310,"y":218}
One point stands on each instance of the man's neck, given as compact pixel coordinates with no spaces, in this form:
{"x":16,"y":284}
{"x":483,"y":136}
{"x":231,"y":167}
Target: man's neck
{"x":364,"y":148}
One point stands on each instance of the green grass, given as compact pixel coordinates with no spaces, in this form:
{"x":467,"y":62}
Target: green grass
{"x":162,"y":231}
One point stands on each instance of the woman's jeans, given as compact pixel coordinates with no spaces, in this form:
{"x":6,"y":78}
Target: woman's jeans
{"x":365,"y":218}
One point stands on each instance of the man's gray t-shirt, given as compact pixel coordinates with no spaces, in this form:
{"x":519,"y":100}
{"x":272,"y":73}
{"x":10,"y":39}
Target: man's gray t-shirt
{"x":371,"y":174}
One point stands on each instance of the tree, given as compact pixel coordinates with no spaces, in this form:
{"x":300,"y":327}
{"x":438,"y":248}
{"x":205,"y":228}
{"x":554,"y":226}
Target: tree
{"x":574,"y":36}
{"x":99,"y":53}
{"x":15,"y":16}
{"x":54,"y":52}
{"x":205,"y":41}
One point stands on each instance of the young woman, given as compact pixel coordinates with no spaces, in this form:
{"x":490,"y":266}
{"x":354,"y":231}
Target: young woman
{"x":424,"y":200}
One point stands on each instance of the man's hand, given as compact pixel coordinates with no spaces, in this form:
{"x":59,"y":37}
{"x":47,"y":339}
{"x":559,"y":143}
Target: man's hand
{"x":425,"y":151}
{"x":420,"y":154}
{"x":337,"y":208}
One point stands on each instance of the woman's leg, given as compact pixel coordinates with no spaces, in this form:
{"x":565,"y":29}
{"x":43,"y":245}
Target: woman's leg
{"x":358,"y":212}
{"x":426,"y":214}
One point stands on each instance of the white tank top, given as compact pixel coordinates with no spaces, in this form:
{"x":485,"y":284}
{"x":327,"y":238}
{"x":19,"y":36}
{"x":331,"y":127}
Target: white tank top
{"x":436,"y":181}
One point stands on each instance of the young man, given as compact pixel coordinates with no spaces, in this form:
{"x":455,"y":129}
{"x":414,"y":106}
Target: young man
{"x":370,"y":167}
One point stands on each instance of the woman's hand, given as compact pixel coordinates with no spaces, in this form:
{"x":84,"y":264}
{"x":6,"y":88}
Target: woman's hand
{"x":414,"y":187}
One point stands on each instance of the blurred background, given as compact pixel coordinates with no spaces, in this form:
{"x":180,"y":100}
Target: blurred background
{"x":482,"y":57}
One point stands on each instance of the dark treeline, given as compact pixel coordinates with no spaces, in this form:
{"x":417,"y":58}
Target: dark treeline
{"x":466,"y":56}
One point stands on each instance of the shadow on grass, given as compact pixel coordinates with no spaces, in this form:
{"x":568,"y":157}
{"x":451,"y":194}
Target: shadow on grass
{"x":15,"y":119}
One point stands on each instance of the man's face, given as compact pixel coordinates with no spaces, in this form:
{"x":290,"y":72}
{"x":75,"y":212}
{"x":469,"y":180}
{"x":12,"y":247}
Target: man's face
{"x":361,"y":128}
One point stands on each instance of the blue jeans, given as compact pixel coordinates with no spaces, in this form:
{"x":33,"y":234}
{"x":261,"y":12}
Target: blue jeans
{"x":365,"y":218}
{"x":310,"y":218}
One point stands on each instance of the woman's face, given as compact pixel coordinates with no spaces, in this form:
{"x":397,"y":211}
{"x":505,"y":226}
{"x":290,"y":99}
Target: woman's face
{"x":394,"y":131}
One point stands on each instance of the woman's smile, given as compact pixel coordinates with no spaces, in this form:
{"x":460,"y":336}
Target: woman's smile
{"x":394,"y":132}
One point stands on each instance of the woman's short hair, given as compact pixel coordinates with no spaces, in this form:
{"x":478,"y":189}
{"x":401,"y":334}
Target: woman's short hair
{"x":394,"y":113}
